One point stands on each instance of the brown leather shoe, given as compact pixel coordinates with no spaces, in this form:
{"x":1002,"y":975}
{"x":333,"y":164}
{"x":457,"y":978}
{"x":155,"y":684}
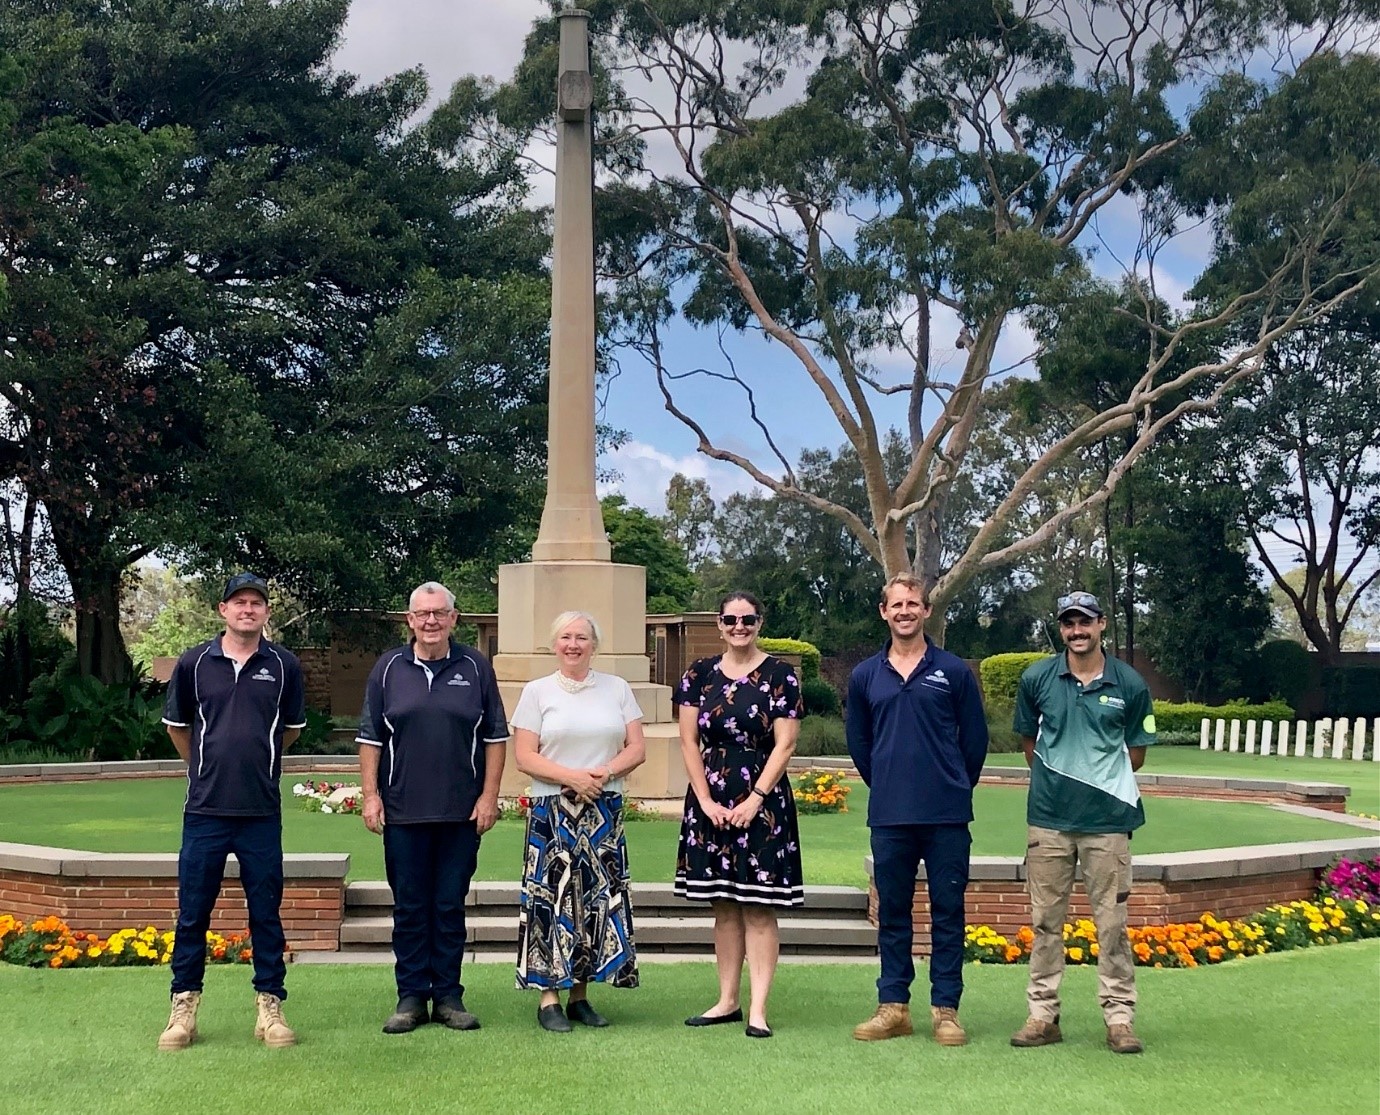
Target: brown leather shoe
{"x":947,"y":1028}
{"x":1121,"y":1038}
{"x":892,"y":1020}
{"x":1037,"y":1032}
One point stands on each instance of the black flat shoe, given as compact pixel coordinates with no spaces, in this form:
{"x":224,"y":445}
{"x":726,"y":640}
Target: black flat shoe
{"x":758,"y":1031}
{"x":410,"y":1014}
{"x":553,"y":1018}
{"x":580,"y":1011}
{"x":715,"y":1019}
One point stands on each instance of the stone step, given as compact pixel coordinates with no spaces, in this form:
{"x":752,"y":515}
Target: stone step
{"x":375,"y":899}
{"x":824,"y":935}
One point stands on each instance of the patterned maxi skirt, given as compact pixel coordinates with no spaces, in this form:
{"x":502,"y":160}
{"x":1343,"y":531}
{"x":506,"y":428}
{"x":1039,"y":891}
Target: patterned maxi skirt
{"x":575,"y":923}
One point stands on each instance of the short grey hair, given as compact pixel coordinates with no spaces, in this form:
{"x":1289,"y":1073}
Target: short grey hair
{"x":565,"y":619}
{"x":427,"y":588}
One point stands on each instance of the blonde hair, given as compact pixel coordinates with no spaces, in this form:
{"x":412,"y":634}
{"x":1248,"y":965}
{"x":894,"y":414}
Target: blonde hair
{"x":565,"y":619}
{"x":910,"y":581}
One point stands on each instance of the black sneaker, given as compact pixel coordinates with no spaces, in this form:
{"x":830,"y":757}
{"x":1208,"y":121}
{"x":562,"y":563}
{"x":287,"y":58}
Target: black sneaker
{"x":452,"y":1013}
{"x":410,"y":1014}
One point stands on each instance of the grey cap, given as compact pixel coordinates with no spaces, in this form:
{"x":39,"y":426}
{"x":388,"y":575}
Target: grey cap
{"x":1084,"y":603}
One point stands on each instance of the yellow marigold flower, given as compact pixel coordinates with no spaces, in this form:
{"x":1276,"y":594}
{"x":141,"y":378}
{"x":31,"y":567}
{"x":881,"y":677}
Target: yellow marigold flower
{"x":1075,"y":954}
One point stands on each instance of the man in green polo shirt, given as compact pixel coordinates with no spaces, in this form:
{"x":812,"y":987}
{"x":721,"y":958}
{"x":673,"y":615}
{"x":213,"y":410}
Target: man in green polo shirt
{"x":1085,"y":720}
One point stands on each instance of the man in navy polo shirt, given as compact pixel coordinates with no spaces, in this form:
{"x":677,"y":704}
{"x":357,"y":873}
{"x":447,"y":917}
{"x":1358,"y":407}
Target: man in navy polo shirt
{"x":1085,"y":720}
{"x":234,"y":705}
{"x":918,"y":736}
{"x":431,"y":749}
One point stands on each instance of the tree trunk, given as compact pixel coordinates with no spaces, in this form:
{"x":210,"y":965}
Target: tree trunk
{"x":94,"y":573}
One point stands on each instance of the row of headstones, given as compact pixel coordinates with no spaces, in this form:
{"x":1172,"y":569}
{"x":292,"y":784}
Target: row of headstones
{"x":1332,"y":739}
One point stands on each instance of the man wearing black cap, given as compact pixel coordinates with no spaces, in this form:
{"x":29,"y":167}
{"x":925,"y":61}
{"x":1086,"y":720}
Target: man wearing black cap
{"x":234,"y":704}
{"x":1085,"y":720}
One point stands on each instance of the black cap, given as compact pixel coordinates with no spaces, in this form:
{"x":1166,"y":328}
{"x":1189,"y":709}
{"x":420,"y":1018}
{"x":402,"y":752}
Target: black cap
{"x":1085,"y":603}
{"x":241,"y":581}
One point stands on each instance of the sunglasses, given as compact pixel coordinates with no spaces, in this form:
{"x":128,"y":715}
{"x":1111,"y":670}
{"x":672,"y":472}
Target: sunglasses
{"x":749,"y":620}
{"x":1078,"y":600}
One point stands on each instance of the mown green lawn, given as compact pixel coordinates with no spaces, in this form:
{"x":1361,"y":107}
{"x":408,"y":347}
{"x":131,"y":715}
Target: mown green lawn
{"x":144,"y":815}
{"x":1362,"y":777}
{"x":1293,"y":1032}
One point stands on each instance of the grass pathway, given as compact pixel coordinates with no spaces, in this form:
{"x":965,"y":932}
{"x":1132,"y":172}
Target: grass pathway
{"x":1285,"y":1033}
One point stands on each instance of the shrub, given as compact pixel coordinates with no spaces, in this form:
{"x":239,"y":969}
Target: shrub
{"x":317,"y":737}
{"x":807,"y":652}
{"x":1170,"y":717}
{"x":1351,"y":690}
{"x":1001,"y":674}
{"x":86,"y":719}
{"x":1001,"y":736}
{"x":1282,"y":669}
{"x":820,"y":698}
{"x":822,"y":736}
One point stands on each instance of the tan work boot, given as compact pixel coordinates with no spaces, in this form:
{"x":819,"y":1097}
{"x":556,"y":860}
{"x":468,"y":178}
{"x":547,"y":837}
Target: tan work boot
{"x":1121,"y":1038}
{"x":892,"y":1020}
{"x":947,"y":1028}
{"x":271,"y":1028}
{"x":1036,"y":1032}
{"x":181,"y":1028}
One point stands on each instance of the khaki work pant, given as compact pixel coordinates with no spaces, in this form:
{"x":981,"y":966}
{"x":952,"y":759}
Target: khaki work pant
{"x":1051,"y":858}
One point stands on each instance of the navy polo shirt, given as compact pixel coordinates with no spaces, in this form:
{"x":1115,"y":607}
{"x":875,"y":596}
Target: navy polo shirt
{"x":237,"y":723}
{"x":432,"y":721}
{"x":918,"y":742}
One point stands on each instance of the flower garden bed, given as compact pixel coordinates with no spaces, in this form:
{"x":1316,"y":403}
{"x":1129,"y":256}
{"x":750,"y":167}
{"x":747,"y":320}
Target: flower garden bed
{"x":50,"y":943}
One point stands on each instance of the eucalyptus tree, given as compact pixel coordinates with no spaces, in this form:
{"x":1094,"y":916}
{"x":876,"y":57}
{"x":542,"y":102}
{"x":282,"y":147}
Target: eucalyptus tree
{"x":878,"y":185}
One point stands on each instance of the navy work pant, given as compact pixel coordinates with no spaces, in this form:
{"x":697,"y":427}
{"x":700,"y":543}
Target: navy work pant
{"x":897,"y":851}
{"x":429,"y":867}
{"x":258,"y":845}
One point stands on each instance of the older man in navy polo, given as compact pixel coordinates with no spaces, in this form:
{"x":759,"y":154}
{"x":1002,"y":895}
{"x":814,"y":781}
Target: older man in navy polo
{"x":234,"y":704}
{"x":918,"y":736}
{"x":431,"y":749}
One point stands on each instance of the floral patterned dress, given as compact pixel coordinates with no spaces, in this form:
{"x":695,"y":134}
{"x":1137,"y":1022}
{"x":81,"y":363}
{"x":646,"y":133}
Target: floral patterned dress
{"x":760,"y":864}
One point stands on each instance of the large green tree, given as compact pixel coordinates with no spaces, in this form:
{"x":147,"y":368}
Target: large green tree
{"x":1302,"y":439}
{"x":251,"y":314}
{"x":843,"y":177}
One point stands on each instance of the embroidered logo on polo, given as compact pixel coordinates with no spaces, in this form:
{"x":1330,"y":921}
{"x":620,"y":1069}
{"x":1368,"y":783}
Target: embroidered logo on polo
{"x":458,"y":680}
{"x":263,"y":675}
{"x":1115,"y":702}
{"x":937,"y":677}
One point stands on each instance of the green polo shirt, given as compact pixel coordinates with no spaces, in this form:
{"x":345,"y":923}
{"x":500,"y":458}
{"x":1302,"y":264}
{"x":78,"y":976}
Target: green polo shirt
{"x":1081,"y":778}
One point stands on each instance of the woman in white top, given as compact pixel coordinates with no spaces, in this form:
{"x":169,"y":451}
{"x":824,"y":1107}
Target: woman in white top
{"x":576,"y":733}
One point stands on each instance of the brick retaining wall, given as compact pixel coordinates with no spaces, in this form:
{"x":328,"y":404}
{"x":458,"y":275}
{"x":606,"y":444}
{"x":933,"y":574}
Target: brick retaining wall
{"x":1170,"y":887}
{"x":101,"y":892}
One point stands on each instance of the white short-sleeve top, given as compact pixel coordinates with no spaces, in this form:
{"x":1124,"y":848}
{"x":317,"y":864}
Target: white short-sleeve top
{"x":582,"y":730}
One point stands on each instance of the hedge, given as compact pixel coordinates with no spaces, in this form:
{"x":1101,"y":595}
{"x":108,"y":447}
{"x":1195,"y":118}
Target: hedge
{"x":808,"y":653}
{"x":1170,"y":717}
{"x":1001,"y":673}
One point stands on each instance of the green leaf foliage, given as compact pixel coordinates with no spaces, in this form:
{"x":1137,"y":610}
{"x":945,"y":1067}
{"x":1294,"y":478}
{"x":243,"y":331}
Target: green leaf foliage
{"x":808,"y":654}
{"x":1188,"y":717}
{"x":1001,"y":675}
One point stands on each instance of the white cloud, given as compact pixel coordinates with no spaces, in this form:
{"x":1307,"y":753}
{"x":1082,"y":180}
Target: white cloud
{"x":645,"y":471}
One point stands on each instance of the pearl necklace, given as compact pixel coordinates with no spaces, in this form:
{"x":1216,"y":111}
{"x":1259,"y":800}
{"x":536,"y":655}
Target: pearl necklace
{"x":570,"y":685}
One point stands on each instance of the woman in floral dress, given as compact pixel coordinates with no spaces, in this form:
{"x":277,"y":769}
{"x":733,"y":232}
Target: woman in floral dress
{"x":739,"y":718}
